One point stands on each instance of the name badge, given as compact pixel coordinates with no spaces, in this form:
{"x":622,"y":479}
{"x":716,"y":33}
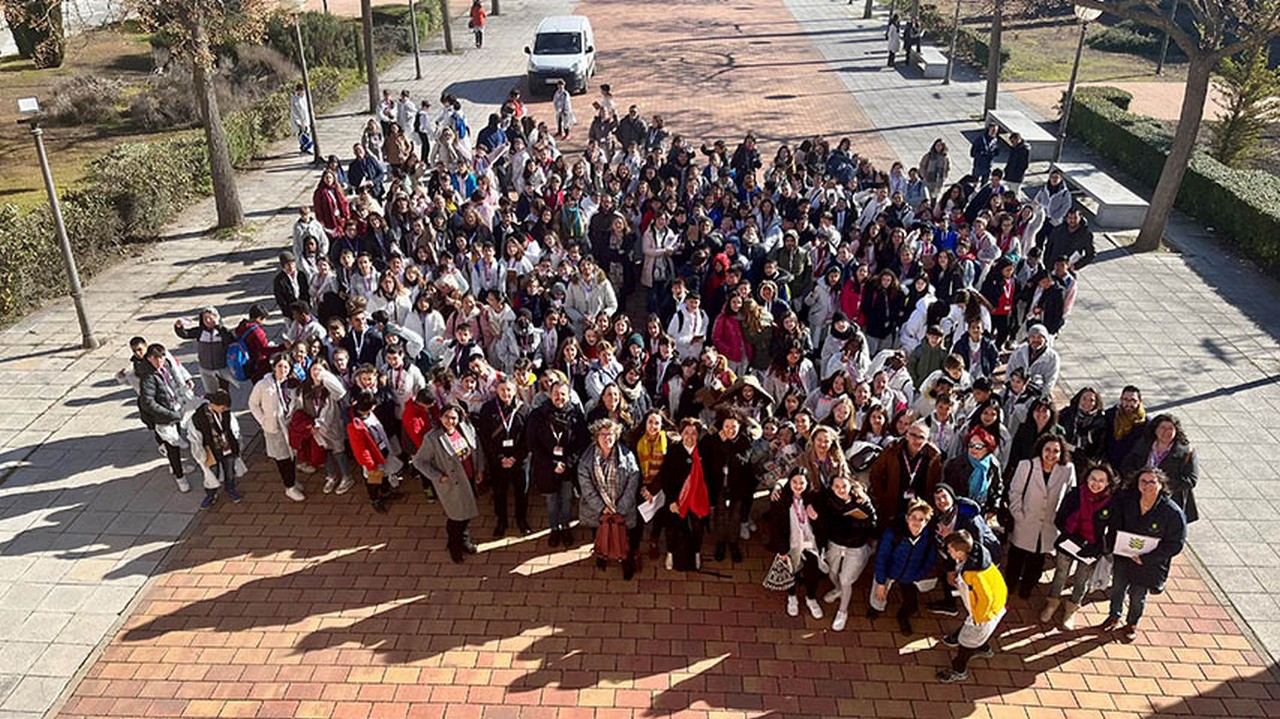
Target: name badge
{"x":508,"y":443}
{"x":558,"y":451}
{"x":908,"y":495}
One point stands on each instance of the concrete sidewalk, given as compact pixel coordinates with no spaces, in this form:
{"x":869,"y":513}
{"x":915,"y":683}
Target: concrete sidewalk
{"x":87,"y":507}
{"x":1196,"y":329}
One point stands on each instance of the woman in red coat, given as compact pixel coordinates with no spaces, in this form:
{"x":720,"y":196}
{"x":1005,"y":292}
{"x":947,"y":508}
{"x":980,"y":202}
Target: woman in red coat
{"x":329,"y":203}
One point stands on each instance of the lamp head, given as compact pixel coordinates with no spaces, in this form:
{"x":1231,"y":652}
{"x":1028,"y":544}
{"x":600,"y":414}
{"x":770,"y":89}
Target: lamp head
{"x":1086,"y":14}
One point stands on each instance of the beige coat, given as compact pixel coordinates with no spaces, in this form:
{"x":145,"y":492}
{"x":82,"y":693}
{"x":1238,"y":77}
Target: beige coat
{"x":440,"y":464}
{"x":1034,"y":504}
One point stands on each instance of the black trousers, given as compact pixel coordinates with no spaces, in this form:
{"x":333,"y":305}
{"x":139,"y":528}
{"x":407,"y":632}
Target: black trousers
{"x":288,"y":472}
{"x":456,"y":533}
{"x":964,"y":654}
{"x":808,"y":576}
{"x":173,"y":453}
{"x":910,"y":600}
{"x":1023,"y":569}
{"x":505,"y":482}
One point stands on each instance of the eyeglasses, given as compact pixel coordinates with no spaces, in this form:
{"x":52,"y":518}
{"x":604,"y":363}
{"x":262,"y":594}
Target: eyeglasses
{"x":977,"y":445}
{"x":915,"y":435}
{"x":1148,"y":482}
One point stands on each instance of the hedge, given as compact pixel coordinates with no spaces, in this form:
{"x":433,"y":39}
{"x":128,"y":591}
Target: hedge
{"x":134,"y":190}
{"x":335,"y":41}
{"x":1242,"y":205}
{"x":970,"y":45}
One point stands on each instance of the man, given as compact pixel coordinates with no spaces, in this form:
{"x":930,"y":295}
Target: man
{"x":981,"y":199}
{"x":726,"y":467}
{"x":365,"y":170}
{"x":631,"y":129}
{"x":291,"y":284}
{"x":303,"y":326}
{"x":984,"y":149}
{"x":424,"y":126}
{"x":690,"y":327}
{"x":1047,"y":302}
{"x":492,"y":136}
{"x":362,"y":343}
{"x":500,"y":429}
{"x":1015,"y":168}
{"x":406,"y":114}
{"x":1126,"y":423}
{"x":910,"y":468}
{"x":160,"y":405}
{"x":1072,"y":239}
{"x":1036,"y":356}
{"x":979,"y":352}
{"x":300,"y":116}
{"x":557,"y":434}
{"x":657,"y":135}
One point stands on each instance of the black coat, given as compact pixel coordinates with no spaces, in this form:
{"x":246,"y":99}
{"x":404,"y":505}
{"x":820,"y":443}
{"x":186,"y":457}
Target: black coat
{"x":840,"y":526}
{"x":780,"y":521}
{"x":1179,"y":464}
{"x":1103,"y":519}
{"x":1165,"y":521}
{"x":1015,"y":168}
{"x":547,"y":429}
{"x":956,"y":473}
{"x":157,"y":403}
{"x":727,"y":466}
{"x":1063,"y":242}
{"x":497,"y":440}
{"x":284,"y":293}
{"x":370,"y":347}
{"x":675,"y":469}
{"x":1086,"y":433}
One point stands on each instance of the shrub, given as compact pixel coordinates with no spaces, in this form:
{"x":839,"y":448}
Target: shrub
{"x":970,"y":45}
{"x":1243,"y":205}
{"x":84,"y":100}
{"x":1130,"y":38}
{"x":329,"y":40}
{"x":147,"y":183}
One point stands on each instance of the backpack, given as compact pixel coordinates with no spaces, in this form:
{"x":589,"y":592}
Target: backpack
{"x":460,"y":125}
{"x":239,"y":359}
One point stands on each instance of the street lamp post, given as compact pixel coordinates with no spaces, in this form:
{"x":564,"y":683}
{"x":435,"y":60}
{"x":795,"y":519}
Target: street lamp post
{"x":951,"y":55}
{"x":1085,"y":16}
{"x":29,"y":108}
{"x":296,"y":7}
{"x":413,"y":34}
{"x":1164,"y":43}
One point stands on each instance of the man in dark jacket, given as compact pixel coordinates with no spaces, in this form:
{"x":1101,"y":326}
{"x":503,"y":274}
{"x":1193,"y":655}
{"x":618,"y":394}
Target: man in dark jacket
{"x":984,"y":149}
{"x":291,"y":283}
{"x":362,"y":342}
{"x":1015,"y":168}
{"x":1072,"y":239}
{"x":557,"y":436}
{"x":726,"y":465}
{"x":746,"y":159}
{"x":631,"y":129}
{"x":160,"y":408}
{"x":365,"y":169}
{"x":1046,"y":301}
{"x":501,"y":433}
{"x":909,"y":468}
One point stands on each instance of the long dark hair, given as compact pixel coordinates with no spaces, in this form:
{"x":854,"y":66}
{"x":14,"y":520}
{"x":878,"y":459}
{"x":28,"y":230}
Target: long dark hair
{"x":1179,"y":437}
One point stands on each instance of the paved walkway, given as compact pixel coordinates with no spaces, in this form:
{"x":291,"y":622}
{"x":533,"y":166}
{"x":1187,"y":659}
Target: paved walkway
{"x":87,"y":507}
{"x":324,"y":609}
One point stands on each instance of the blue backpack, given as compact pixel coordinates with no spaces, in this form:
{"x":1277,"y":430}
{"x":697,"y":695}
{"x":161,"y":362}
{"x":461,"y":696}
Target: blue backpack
{"x":239,"y":360}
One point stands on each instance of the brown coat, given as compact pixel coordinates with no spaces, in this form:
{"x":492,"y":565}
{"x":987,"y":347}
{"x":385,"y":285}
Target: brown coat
{"x":888,"y":479}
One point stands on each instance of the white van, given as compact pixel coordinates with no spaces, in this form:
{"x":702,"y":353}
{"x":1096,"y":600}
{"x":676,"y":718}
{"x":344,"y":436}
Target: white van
{"x":563,"y":49}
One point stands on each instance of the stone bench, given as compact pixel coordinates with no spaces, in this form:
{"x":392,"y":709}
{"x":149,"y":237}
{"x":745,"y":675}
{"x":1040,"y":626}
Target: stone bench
{"x":930,"y":61}
{"x":1118,"y":208}
{"x":1040,"y":140}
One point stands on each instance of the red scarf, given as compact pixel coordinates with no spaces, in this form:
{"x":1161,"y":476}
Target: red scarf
{"x":693,"y":496}
{"x":1081,"y":522}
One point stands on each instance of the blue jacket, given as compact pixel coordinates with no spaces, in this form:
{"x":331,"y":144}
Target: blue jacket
{"x":902,"y":559}
{"x":969,"y":518}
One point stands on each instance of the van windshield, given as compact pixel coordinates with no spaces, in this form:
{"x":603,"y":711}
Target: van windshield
{"x":557,"y":43}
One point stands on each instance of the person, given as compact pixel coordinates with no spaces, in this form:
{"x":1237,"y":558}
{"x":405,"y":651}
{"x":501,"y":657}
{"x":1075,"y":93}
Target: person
{"x":269,"y":402}
{"x":477,"y":21}
{"x":935,"y":166}
{"x":904,"y":556}
{"x":290,"y":284}
{"x":954,"y":512}
{"x":1035,"y":493}
{"x":609,"y":484}
{"x":1145,"y":509}
{"x":893,"y":37}
{"x":976,"y":474}
{"x":448,"y":458}
{"x":300,"y":116}
{"x":212,"y":339}
{"x":500,"y":430}
{"x":983,"y":591}
{"x":557,"y":435}
{"x":214,"y":435}
{"x":323,"y":398}
{"x":684,"y":486}
{"x":907,"y":469}
{"x":1165,"y":445}
{"x":797,"y":536}
{"x":1085,"y":426}
{"x":1037,"y":356}
{"x":563,"y":104}
{"x":1126,"y":424}
{"x":1084,"y":523}
{"x":160,"y":403}
{"x":847,"y":518}
{"x":983,"y":150}
{"x":1015,"y":168}
{"x":1073,"y":240}
{"x":726,"y":465}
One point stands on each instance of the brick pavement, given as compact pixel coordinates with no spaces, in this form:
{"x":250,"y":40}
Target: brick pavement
{"x":324,"y":609}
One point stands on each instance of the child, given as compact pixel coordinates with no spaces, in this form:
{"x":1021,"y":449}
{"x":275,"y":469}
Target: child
{"x":905,"y":556}
{"x":214,"y":435}
{"x":371,"y":447}
{"x":849,"y":522}
{"x":796,"y":535}
{"x":982,"y":589}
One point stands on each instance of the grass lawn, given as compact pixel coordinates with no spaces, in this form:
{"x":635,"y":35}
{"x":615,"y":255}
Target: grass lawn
{"x":113,"y":53}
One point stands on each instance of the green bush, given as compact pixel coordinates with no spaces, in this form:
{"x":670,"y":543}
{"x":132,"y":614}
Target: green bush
{"x":329,"y":40}
{"x":149,"y":182}
{"x":1243,"y":205}
{"x":1130,"y":38}
{"x":970,"y":45}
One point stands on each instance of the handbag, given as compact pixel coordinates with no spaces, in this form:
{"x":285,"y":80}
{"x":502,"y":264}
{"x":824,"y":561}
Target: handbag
{"x":780,"y":576}
{"x":611,"y":538}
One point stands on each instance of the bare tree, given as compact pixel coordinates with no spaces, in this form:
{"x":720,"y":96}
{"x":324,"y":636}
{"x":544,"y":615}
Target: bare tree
{"x":370,"y":61}
{"x":1220,"y":30}
{"x":993,"y":56}
{"x":196,"y":26}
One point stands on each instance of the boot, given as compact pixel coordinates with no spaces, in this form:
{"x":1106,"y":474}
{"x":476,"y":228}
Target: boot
{"x":1050,"y":608}
{"x":1069,"y":615}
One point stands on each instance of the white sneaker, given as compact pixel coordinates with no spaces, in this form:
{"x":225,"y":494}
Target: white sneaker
{"x":838,"y":624}
{"x":345,"y":485}
{"x":831,"y":596}
{"x":329,"y":484}
{"x":815,"y":609}
{"x":670,"y":561}
{"x":183,"y":484}
{"x":697,"y":561}
{"x":295,"y":494}
{"x":793,"y":606}
{"x":744,"y":531}
{"x":394,"y":481}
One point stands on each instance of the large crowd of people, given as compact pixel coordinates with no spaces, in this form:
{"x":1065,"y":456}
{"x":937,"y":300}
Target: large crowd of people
{"x":857,"y":363}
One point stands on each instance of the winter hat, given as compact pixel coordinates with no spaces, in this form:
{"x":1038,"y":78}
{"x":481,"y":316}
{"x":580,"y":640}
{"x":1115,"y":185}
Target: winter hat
{"x":559,"y":289}
{"x":1038,"y":329}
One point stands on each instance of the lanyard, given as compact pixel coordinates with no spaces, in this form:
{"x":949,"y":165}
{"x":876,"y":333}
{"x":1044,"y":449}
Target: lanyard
{"x":913,"y":471}
{"x":507,"y":421}
{"x":358,"y":341}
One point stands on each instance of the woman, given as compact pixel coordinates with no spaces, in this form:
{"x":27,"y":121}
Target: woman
{"x":988,"y":416}
{"x":875,"y":427}
{"x":883,"y":305}
{"x":790,"y":370}
{"x":321,"y":399}
{"x":372,"y":140}
{"x":608,"y":483}
{"x":1084,"y":424}
{"x":893,"y":37}
{"x":589,"y":294}
{"x":934,"y":167}
{"x":1084,"y":521}
{"x":848,"y":519}
{"x":1165,"y":446}
{"x":269,"y":403}
{"x":613,"y":407}
{"x":797,"y":536}
{"x":390,"y":297}
{"x":330,"y":205}
{"x":822,"y":459}
{"x":821,"y":400}
{"x":976,"y":474}
{"x":1036,"y":492}
{"x":651,"y":448}
{"x":685,"y":489}
{"x":1042,"y":419}
{"x":1150,"y":512}
{"x":396,"y":148}
{"x":728,"y":337}
{"x":449,"y":460}
{"x":757,"y":331}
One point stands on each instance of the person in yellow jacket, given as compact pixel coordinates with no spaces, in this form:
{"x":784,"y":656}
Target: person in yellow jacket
{"x":982,"y":590}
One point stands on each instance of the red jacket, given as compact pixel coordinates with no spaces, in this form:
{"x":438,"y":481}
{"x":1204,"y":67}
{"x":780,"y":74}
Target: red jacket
{"x":416,"y":423}
{"x":363,"y":447}
{"x":477,"y":15}
{"x":260,"y":349}
{"x":331,"y":208}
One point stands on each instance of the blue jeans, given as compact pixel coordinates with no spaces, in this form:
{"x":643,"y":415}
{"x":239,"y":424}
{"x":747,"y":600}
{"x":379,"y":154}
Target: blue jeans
{"x":1122,"y":585}
{"x":225,"y":468}
{"x":559,"y":505}
{"x":335,"y":465}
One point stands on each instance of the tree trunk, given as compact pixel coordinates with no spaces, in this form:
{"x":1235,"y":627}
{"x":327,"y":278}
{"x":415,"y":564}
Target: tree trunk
{"x":866,"y":11}
{"x":370,"y":63}
{"x":993,"y":57}
{"x":226,"y":195}
{"x":1184,"y":141}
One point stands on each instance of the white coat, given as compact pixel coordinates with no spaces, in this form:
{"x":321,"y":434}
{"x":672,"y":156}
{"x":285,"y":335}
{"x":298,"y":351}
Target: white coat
{"x":271,"y":409}
{"x":1034,"y":504}
{"x":584,"y":302}
{"x":210,"y":479}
